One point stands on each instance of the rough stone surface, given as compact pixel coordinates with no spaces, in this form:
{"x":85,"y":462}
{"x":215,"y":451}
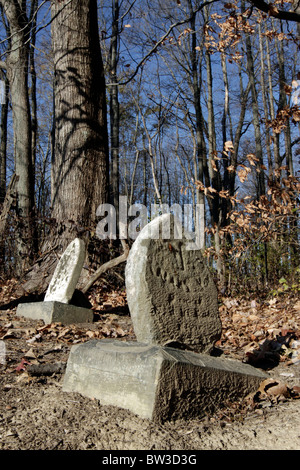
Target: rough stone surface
{"x":49,"y":312}
{"x":154,"y":382}
{"x":67,"y":272}
{"x":171,"y":295}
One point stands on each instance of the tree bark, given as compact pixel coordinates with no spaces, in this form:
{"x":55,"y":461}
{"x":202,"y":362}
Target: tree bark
{"x":80,"y":159}
{"x":17,"y":74}
{"x":33,"y":101}
{"x":264,"y":100}
{"x":256,"y":116}
{"x":3,"y":142}
{"x":114,"y":108}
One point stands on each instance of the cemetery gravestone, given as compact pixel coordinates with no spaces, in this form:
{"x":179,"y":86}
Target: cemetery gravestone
{"x":2,"y":353}
{"x":158,"y":377}
{"x":56,"y":306}
{"x":171,"y":294}
{"x":67,"y":272}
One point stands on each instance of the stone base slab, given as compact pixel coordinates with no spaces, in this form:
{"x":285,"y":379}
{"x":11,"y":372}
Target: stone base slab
{"x":52,"y":311}
{"x":155,"y":382}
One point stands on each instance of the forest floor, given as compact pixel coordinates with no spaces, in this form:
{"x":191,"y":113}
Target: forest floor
{"x":35,"y":414}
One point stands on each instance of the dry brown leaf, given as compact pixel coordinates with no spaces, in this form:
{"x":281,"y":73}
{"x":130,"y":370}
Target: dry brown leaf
{"x":274,"y":389}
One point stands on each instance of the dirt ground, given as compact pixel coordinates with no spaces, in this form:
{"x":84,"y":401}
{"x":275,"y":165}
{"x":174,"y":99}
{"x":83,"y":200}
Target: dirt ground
{"x":35,"y":414}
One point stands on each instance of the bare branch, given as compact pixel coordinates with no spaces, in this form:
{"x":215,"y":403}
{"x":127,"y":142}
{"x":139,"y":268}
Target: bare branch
{"x":162,"y":39}
{"x":110,"y":264}
{"x":279,"y":14}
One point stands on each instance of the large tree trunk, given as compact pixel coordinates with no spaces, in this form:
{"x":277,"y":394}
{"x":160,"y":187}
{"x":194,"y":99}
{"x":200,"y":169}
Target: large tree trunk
{"x":79,"y":181}
{"x":79,"y":163}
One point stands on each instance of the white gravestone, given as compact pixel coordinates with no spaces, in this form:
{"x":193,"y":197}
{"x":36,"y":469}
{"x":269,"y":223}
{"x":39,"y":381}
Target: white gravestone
{"x":2,"y":353}
{"x":56,"y":306}
{"x":67,"y":272}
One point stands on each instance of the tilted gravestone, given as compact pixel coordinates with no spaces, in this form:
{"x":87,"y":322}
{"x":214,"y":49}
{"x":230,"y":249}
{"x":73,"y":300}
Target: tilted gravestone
{"x":171,"y":294}
{"x":168,"y":373}
{"x":67,"y":272}
{"x":56,"y":306}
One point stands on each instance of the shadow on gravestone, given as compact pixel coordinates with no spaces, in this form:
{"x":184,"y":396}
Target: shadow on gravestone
{"x":57,"y":306}
{"x":172,"y":300}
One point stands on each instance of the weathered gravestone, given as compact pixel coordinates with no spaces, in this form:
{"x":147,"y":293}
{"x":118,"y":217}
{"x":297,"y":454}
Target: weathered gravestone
{"x":174,"y":309}
{"x":56,"y":306}
{"x":171,"y":294}
{"x":67,"y":272}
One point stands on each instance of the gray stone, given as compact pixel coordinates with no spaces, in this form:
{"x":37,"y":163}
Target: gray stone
{"x":171,"y":295}
{"x":155,"y":382}
{"x":67,"y":272}
{"x":51,"y":312}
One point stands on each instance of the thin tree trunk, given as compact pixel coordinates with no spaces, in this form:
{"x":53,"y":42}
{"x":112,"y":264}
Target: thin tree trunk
{"x":200,"y":142}
{"x":33,"y":101}
{"x":3,"y":141}
{"x":17,"y":74}
{"x":282,"y":105}
{"x":255,"y":113}
{"x":264,"y":99}
{"x":275,"y":137}
{"x":114,"y":108}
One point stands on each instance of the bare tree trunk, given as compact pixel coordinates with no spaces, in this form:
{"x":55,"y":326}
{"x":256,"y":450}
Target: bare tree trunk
{"x":151,"y":151}
{"x":275,"y":137}
{"x":17,"y":74}
{"x":282,"y":104}
{"x":255,"y":112}
{"x":264,"y":99}
{"x":200,"y":142}
{"x":3,"y":141}
{"x":214,"y":171}
{"x":33,"y":101}
{"x":80,"y":160}
{"x":114,"y":108}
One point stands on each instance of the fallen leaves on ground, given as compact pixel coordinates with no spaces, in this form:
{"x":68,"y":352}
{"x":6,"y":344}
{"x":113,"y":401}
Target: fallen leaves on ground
{"x":274,"y":391}
{"x":269,"y":393}
{"x":108,"y":327}
{"x":105,"y":299}
{"x":261,"y":333}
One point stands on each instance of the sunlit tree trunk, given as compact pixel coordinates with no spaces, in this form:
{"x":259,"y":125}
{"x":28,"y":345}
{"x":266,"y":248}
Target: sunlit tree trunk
{"x":264,"y":100}
{"x":275,"y":136}
{"x":256,"y":117}
{"x":282,"y":104}
{"x":33,"y":77}
{"x":80,"y":159}
{"x":3,"y":141}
